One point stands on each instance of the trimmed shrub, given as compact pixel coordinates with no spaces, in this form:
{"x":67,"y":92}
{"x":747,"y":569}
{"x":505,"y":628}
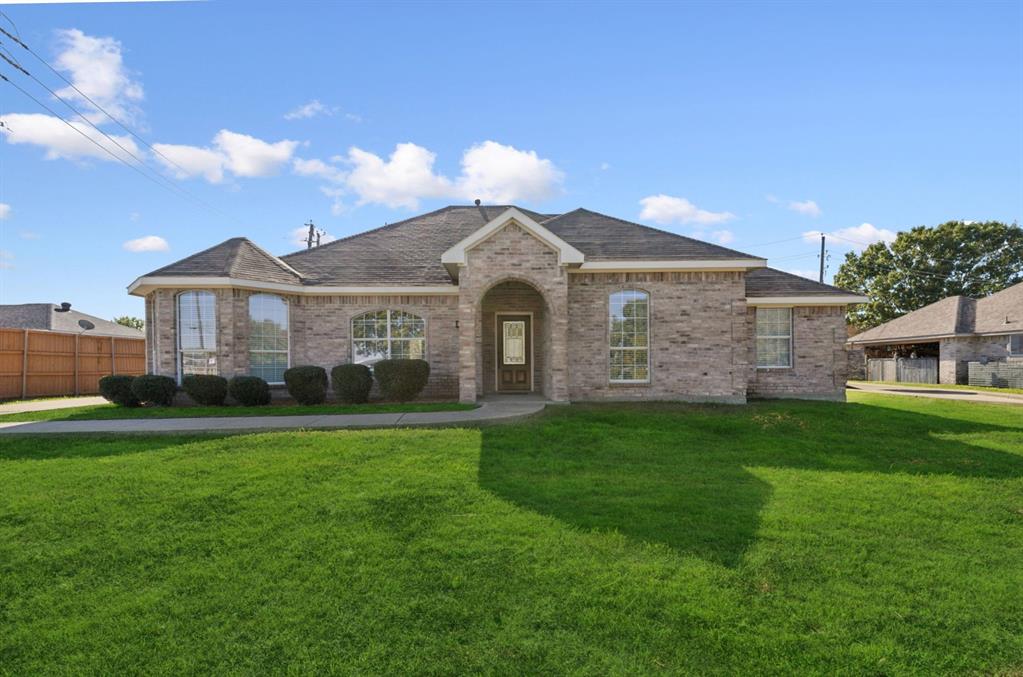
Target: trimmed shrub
{"x":117,"y":389}
{"x":308,"y":384}
{"x":401,"y":380}
{"x":352,"y":382}
{"x":153,"y":389}
{"x":205,"y":389}
{"x":249,"y":391}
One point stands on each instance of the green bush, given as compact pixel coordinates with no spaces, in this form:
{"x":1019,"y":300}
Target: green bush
{"x":249,"y":391}
{"x":205,"y":389}
{"x":352,"y":382}
{"x":117,"y":389}
{"x":153,"y":389}
{"x":307,"y":384}
{"x":401,"y":380}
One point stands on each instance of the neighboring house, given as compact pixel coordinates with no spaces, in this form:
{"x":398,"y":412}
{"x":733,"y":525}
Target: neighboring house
{"x":50,"y":317}
{"x":959,"y":329}
{"x":575,"y":306}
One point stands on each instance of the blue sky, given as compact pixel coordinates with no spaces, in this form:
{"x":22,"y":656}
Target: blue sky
{"x":743,"y":123}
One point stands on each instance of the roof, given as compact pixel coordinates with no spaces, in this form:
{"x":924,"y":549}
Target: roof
{"x":1000,"y":313}
{"x":43,"y":316}
{"x":766,"y":282}
{"x":238,"y":257}
{"x":409,"y":253}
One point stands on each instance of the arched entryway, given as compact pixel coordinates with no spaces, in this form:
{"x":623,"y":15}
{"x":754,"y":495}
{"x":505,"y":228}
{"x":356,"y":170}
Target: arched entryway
{"x":513,"y":339}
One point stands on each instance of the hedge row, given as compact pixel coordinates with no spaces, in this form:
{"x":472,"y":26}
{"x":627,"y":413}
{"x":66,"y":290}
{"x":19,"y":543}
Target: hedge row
{"x":400,"y":380}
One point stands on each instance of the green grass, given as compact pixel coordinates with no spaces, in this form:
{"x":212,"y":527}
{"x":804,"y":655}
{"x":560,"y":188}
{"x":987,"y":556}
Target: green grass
{"x":110,"y":411}
{"x":942,"y":386}
{"x":881,"y":536}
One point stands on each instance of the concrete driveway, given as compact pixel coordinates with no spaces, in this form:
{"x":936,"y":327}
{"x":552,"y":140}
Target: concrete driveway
{"x":939,"y":393}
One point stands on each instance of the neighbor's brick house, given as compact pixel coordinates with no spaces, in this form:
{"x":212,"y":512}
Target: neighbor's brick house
{"x":576,"y":306}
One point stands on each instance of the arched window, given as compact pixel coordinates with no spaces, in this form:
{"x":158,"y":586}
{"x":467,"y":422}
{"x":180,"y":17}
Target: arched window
{"x":629,"y":322}
{"x":388,"y":334}
{"x":197,"y":333}
{"x":268,"y":337}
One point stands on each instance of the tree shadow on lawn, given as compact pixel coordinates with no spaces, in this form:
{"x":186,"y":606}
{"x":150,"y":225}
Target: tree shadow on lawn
{"x":677,"y":474}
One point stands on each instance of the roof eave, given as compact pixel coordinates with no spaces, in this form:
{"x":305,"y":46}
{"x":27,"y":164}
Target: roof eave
{"x":806,"y":300}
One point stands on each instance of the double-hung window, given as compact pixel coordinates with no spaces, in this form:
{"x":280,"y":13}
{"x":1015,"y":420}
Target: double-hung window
{"x":629,"y":321}
{"x":1016,"y":345}
{"x":774,"y":338}
{"x":268,"y":337}
{"x":197,"y":333}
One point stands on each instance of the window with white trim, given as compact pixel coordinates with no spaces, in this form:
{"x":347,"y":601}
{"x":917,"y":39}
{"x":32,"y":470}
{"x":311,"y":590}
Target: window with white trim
{"x":388,"y":334}
{"x":268,"y":337}
{"x":774,"y":337}
{"x":197,"y":333}
{"x":1016,"y":345}
{"x":629,"y":322}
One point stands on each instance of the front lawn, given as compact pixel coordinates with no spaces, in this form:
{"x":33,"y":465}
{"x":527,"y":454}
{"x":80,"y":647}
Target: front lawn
{"x":97,"y":412}
{"x":881,"y":536}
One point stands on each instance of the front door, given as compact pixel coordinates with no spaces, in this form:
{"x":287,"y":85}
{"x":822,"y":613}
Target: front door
{"x":514,"y":353}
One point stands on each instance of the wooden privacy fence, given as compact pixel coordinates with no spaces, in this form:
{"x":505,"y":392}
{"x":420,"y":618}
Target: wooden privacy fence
{"x":903,"y":369}
{"x":37,"y":363}
{"x":997,"y":374}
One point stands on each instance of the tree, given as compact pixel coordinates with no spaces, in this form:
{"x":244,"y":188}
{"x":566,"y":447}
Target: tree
{"x":924,"y":265}
{"x":129,"y":321}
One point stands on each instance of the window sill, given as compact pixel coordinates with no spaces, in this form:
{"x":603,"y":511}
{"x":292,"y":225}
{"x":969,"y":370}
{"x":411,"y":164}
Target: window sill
{"x":628,"y":384}
{"x":759,"y":368}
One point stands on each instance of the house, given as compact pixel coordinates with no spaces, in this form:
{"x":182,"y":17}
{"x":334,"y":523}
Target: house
{"x":957,"y":329}
{"x":54,"y":317}
{"x":574,"y":306}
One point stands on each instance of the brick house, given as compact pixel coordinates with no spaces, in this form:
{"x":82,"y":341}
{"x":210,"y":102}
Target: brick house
{"x":957,"y":330}
{"x":575,"y":306}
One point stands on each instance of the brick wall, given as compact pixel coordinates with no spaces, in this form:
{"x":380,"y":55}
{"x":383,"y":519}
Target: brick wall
{"x":955,"y":353}
{"x":320,"y":331}
{"x":819,"y":360}
{"x":513,"y":254}
{"x":697,"y":336}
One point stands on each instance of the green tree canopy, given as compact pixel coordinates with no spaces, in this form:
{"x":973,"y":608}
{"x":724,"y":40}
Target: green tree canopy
{"x":129,"y":321}
{"x":924,"y":265}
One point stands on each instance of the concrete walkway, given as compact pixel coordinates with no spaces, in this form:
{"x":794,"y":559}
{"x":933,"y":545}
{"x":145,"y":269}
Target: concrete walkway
{"x":490,"y":411}
{"x":21,"y":406}
{"x":939,"y":393}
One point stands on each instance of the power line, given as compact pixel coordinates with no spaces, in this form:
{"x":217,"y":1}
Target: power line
{"x":89,"y":99}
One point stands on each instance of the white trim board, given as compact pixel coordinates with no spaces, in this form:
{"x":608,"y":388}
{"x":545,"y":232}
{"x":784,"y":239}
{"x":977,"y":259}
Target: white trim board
{"x":836,"y":300}
{"x":143,"y":285}
{"x":625,"y":266}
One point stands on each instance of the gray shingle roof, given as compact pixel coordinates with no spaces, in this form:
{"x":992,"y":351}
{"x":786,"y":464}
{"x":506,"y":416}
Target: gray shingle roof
{"x":238,"y":257}
{"x":602,"y":237}
{"x":761,"y":282}
{"x":44,"y":316}
{"x":1001,"y":312}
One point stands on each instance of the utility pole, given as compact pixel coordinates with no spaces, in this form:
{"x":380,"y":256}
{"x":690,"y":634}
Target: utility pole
{"x":821,"y":280}
{"x":311,"y":237}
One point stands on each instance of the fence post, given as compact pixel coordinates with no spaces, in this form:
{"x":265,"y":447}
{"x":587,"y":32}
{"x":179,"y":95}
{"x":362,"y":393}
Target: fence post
{"x":77,"y":358}
{"x":24,"y":366}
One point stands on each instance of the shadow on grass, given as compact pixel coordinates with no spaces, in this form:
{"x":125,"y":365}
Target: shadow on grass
{"x":92,"y":445}
{"x":677,"y":474}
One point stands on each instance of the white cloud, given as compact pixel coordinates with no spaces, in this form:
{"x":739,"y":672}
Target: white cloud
{"x":352,"y":117}
{"x":337,"y":205}
{"x":6,"y":260}
{"x":666,"y":209}
{"x":604,"y":166}
{"x":309,"y":110}
{"x":134,"y":216}
{"x":497,"y":173}
{"x":773,"y":199}
{"x":298,"y":236}
{"x":239,"y":154}
{"x":149,"y":243}
{"x":723,"y":236}
{"x":400,"y":181}
{"x":317,"y":168}
{"x":61,"y":141}
{"x":28,"y":235}
{"x":5,"y":211}
{"x":807,"y":207}
{"x":96,"y":67}
{"x":854,"y":237}
{"x":809,"y":274}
